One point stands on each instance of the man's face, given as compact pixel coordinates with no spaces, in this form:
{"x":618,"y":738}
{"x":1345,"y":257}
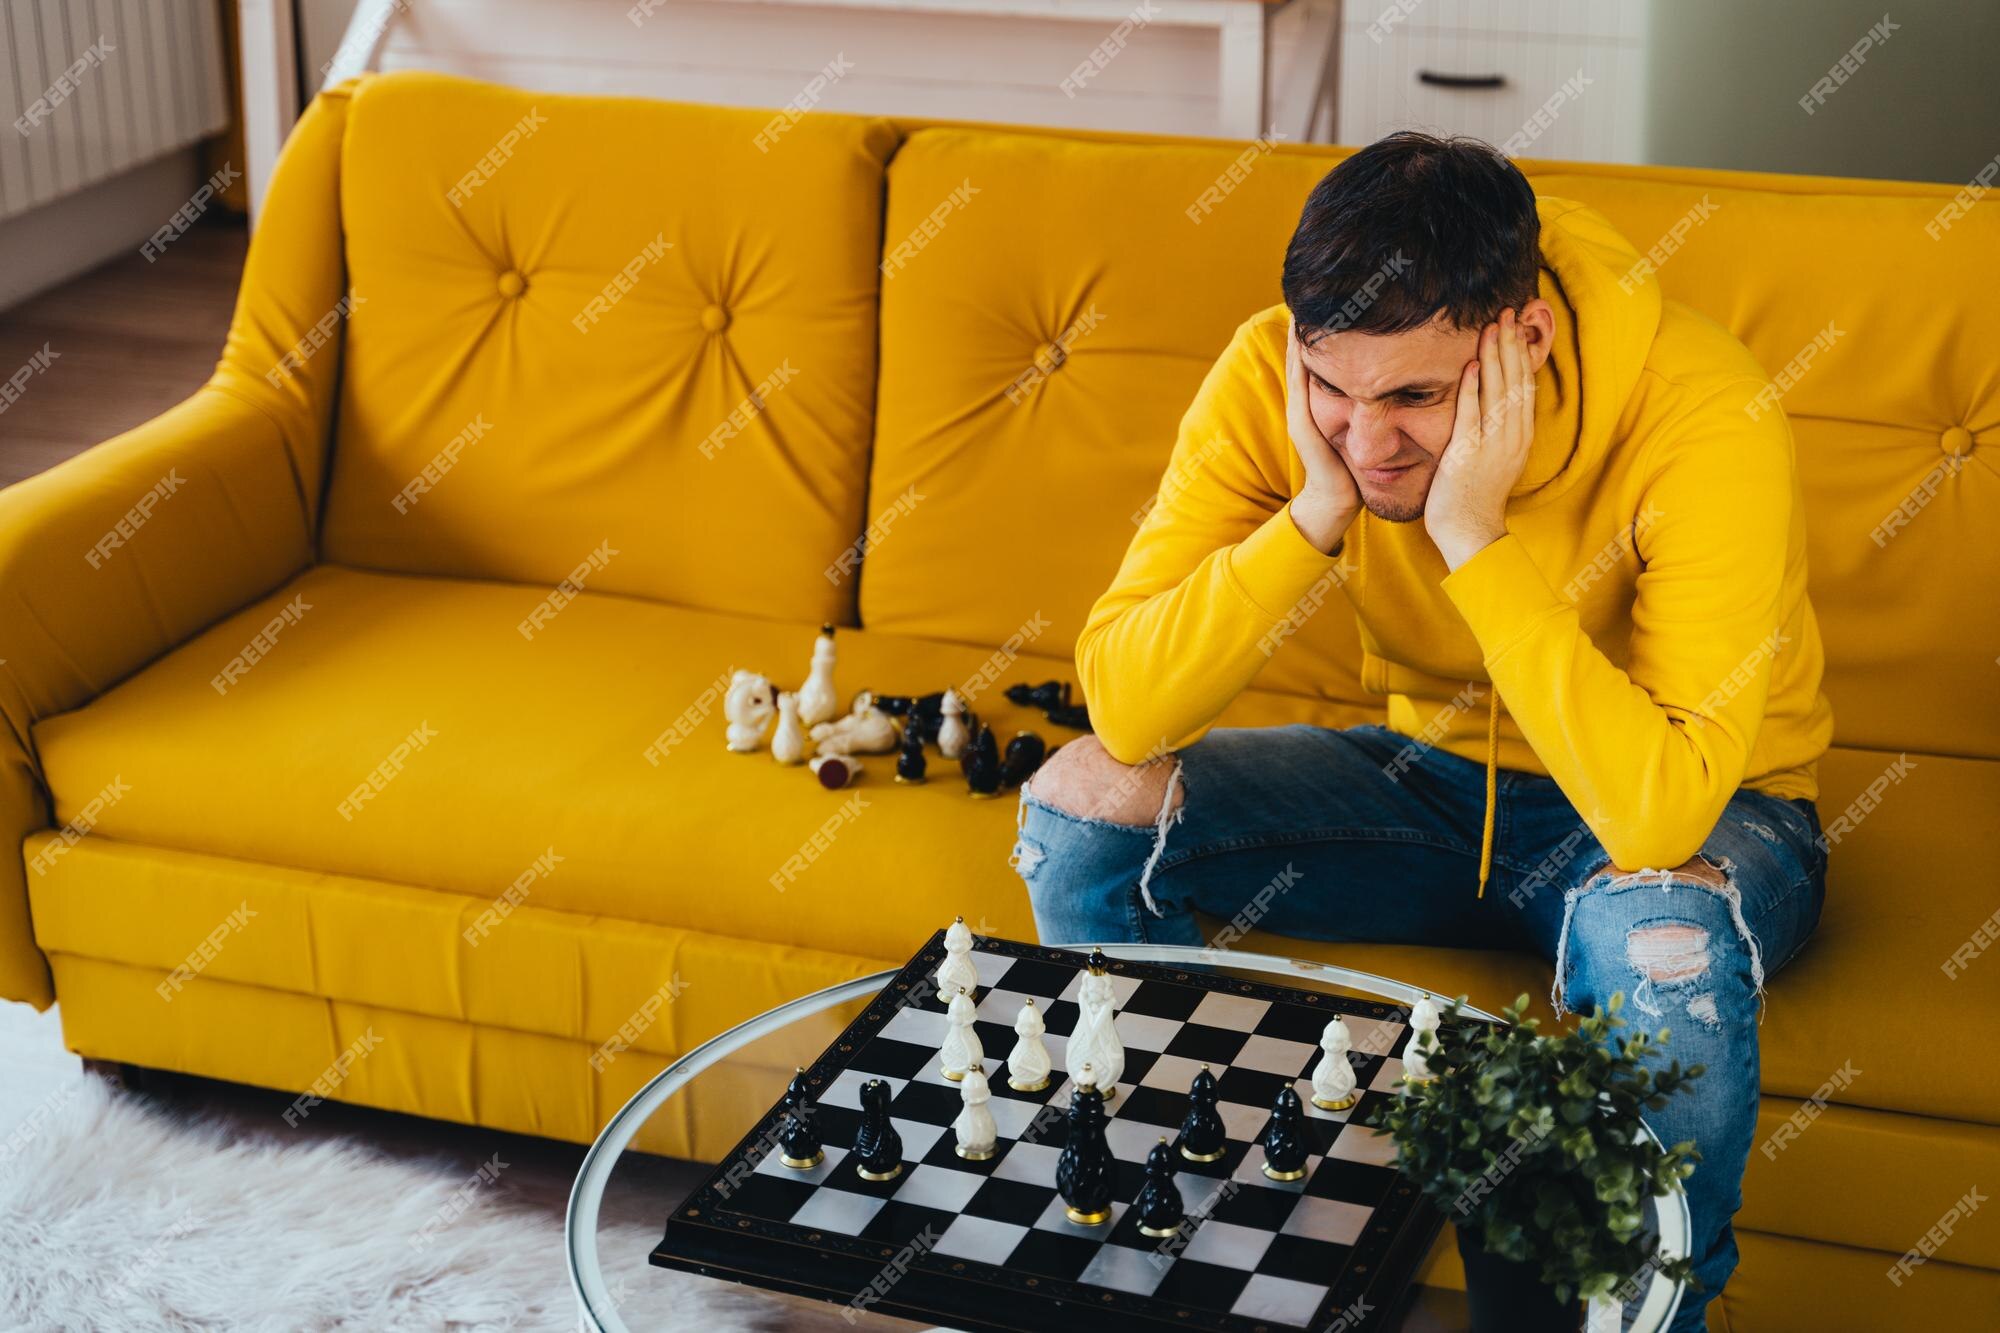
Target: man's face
{"x":1386,"y":402}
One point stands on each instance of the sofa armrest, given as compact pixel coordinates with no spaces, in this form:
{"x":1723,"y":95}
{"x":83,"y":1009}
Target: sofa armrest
{"x":131,"y":548}
{"x":110,"y":560}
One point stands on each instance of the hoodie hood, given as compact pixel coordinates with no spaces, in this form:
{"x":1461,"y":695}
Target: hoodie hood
{"x":1607,"y":311}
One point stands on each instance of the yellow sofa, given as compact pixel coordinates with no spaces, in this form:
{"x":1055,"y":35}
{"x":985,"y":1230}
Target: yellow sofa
{"x":539,"y":414}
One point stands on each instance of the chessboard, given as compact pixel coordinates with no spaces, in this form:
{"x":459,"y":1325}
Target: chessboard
{"x":986,"y":1246}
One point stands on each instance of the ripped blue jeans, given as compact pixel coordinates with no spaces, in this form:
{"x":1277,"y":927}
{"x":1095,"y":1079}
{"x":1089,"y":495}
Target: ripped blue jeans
{"x":1363,"y":835}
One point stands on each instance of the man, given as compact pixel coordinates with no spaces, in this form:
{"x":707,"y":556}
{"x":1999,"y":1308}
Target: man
{"x":1572,"y":536}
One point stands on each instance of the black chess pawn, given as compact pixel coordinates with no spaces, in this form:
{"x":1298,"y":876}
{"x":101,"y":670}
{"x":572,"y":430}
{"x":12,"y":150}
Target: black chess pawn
{"x":878,"y":1148}
{"x":910,"y":762}
{"x":1159,"y":1205}
{"x":1203,"y":1136}
{"x":1285,"y":1137}
{"x":1025,"y":754}
{"x":798,"y":1146}
{"x":1083,"y":1172}
{"x":982,"y":763}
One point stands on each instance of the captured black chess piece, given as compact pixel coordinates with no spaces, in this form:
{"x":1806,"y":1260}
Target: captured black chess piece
{"x":1285,"y":1137}
{"x":922,"y":714}
{"x":1203,"y":1136}
{"x":1048,"y":694}
{"x":1083,"y":1172}
{"x":981,"y":763}
{"x":1159,"y":1205}
{"x":1025,"y":754}
{"x":798,"y":1146}
{"x":910,"y":761}
{"x":878,"y":1148}
{"x":1052,"y":697}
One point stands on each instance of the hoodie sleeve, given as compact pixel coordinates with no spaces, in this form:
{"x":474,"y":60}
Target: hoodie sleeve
{"x":1217,"y":567}
{"x":1651,"y":754}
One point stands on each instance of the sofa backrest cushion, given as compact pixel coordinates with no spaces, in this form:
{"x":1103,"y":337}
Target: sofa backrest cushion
{"x":620,"y":341}
{"x":1140,"y":259}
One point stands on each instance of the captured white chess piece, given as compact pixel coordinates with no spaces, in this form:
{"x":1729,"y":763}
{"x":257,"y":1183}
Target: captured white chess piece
{"x":956,"y":973}
{"x":1422,"y":1045}
{"x":788,"y":742}
{"x":1028,"y":1064}
{"x":1098,"y":1003}
{"x":864,"y":730}
{"x":961,"y":1051}
{"x":818,"y":701}
{"x":1333,"y":1080}
{"x":977,"y":1134}
{"x":749,"y":705}
{"x":952,"y":737}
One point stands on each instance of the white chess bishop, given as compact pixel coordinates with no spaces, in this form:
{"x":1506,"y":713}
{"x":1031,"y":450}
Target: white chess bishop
{"x":1028,"y":1064}
{"x":956,"y":972}
{"x":1333,"y":1079}
{"x":961,"y":1050}
{"x":1417,"y":1051}
{"x":977,"y":1135}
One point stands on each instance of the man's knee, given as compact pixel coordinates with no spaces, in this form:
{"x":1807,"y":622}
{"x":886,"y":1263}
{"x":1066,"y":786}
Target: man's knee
{"x":1082,"y":778}
{"x":1663,"y":945}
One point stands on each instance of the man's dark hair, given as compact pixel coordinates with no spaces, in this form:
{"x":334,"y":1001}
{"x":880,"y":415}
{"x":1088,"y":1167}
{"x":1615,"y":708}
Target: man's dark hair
{"x":1410,"y":227}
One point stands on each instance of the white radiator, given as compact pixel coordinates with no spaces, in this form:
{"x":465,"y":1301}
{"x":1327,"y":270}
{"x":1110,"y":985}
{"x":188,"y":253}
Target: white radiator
{"x":90,"y":88}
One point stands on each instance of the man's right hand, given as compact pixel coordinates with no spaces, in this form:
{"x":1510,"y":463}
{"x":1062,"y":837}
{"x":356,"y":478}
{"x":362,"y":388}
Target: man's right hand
{"x":1328,"y":502}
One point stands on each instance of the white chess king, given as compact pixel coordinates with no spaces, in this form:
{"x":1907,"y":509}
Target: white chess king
{"x":1333,"y":1079}
{"x":961,"y":1051}
{"x":817,"y":700}
{"x":1028,"y":1064}
{"x":1107,"y":1052}
{"x":977,"y":1135}
{"x":956,"y":972}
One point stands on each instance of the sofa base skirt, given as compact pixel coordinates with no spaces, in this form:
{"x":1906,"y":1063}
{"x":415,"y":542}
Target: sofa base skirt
{"x":339,"y":1050}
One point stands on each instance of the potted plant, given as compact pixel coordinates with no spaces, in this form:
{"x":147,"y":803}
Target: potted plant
{"x":1533,"y":1147}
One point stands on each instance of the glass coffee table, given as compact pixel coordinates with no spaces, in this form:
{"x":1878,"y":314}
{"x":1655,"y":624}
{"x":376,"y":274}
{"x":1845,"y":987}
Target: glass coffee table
{"x":704,"y":1103}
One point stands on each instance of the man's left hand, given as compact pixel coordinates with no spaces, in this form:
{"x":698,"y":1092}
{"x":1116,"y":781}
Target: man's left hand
{"x":1466,"y":510}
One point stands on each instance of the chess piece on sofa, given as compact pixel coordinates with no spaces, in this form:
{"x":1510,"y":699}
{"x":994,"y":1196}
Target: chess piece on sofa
{"x":818,"y":701}
{"x":750,"y":704}
{"x":910,"y":761}
{"x":788,"y":742}
{"x":952,"y":737}
{"x":865,"y":730}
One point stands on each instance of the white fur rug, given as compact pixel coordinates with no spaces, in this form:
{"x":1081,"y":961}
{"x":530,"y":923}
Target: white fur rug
{"x":117,"y":1217}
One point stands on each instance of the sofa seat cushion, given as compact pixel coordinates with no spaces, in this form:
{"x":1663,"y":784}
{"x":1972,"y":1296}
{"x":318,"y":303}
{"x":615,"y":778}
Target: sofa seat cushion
{"x":527,"y":745}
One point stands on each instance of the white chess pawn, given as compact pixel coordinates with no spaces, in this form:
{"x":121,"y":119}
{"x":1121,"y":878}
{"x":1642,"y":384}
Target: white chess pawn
{"x":961,"y":1051}
{"x":1422,"y":1045}
{"x":1107,"y":1050}
{"x":956,"y":972}
{"x":952,"y":737}
{"x":977,"y":1134}
{"x":1333,"y":1080}
{"x":749,"y":705}
{"x":1028,"y":1063}
{"x":788,"y":742}
{"x":818,"y":701}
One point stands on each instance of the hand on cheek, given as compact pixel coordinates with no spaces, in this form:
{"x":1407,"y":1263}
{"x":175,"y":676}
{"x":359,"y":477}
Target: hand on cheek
{"x":1493,"y":426}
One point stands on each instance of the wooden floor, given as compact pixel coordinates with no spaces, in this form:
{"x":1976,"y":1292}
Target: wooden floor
{"x":127,"y":341}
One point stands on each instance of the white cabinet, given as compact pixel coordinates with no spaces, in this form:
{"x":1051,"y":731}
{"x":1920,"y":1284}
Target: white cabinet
{"x":1559,"y":79}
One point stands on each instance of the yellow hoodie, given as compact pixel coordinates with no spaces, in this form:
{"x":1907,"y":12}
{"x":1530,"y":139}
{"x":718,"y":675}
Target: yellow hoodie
{"x":1643,"y":627}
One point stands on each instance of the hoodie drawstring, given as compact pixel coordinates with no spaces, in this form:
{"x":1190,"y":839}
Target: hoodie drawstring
{"x":1492,"y":784}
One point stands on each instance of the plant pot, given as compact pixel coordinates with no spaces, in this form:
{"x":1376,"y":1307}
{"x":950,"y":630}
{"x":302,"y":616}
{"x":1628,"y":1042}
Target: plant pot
{"x":1508,"y":1297}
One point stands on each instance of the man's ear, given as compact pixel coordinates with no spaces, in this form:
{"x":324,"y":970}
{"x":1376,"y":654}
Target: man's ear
{"x":1538,"y":325}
